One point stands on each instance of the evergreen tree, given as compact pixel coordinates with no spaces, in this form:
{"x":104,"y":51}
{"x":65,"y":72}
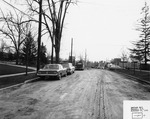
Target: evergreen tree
{"x":141,"y":51}
{"x":29,"y":51}
{"x":43,"y":57}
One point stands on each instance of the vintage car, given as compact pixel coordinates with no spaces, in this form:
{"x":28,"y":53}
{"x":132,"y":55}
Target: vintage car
{"x":70,"y":67}
{"x":52,"y":70}
{"x":79,"y":65}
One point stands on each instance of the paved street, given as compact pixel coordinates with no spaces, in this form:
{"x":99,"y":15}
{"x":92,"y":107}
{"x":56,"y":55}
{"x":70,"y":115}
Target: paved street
{"x":88,"y":94}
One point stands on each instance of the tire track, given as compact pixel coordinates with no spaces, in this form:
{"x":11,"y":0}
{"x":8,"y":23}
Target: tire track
{"x":102,"y":99}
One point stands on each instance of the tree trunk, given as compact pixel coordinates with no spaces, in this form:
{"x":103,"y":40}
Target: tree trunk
{"x":145,"y":51}
{"x":57,"y":51}
{"x":57,"y":45}
{"x":57,"y":57}
{"x":17,"y":57}
{"x":27,"y":60}
{"x":145,"y":57}
{"x":52,"y":54}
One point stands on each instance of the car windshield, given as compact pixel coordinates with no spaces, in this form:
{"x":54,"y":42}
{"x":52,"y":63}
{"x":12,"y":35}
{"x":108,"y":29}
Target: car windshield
{"x":79,"y":64}
{"x":65,"y":65}
{"x":51,"y":66}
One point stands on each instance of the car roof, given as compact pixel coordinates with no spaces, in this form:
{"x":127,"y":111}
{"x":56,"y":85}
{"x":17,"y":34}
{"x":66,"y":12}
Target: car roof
{"x":54,"y":64}
{"x":66,"y":63}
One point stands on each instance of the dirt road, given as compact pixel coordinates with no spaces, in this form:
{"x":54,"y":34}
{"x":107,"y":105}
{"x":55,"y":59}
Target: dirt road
{"x":89,"y":94}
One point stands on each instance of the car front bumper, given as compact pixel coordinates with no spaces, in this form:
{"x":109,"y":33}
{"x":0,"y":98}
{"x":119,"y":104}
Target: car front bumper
{"x":53,"y":75}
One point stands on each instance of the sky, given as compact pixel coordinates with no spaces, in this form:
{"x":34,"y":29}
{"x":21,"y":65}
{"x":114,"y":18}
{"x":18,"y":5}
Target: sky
{"x":102,"y":29}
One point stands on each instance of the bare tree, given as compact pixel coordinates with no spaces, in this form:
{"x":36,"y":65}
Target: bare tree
{"x":14,"y":29}
{"x":124,"y":57}
{"x":54,"y":13}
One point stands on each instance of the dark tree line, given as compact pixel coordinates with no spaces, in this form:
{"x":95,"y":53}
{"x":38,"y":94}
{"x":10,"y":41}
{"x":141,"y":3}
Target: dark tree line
{"x":17,"y":29}
{"x":6,"y":52}
{"x":27,"y":54}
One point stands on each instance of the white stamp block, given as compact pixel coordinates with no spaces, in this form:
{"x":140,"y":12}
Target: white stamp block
{"x":136,"y":109}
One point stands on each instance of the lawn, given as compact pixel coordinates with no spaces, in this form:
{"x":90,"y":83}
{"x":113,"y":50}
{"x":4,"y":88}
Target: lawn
{"x":138,"y":74}
{"x":8,"y":81}
{"x":7,"y":69}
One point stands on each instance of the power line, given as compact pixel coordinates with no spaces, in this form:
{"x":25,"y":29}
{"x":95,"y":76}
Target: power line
{"x":89,"y":3}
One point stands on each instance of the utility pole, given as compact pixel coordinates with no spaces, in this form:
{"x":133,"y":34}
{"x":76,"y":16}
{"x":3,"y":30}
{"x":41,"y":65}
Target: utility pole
{"x":85,"y":57}
{"x":71,"y":48}
{"x":39,"y":34}
{"x":27,"y":51}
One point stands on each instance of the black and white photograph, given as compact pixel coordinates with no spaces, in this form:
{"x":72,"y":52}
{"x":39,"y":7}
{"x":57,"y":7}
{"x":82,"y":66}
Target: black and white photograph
{"x":74,"y":59}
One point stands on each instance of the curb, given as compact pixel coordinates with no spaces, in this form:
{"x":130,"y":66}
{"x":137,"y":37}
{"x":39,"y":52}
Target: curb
{"x":25,"y":82}
{"x":30,"y":80}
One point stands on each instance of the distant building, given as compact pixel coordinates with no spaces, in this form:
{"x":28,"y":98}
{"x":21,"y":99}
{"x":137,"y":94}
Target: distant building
{"x":101,"y":65}
{"x":116,"y":61}
{"x":79,"y":65}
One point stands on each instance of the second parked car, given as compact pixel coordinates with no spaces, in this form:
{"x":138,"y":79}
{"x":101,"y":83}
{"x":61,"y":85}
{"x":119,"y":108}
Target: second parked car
{"x":70,"y":68}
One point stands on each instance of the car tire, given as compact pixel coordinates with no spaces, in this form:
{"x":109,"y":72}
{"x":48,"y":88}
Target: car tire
{"x":42,"y":77}
{"x":59,"y":77}
{"x":69,"y":73}
{"x":65,"y":74}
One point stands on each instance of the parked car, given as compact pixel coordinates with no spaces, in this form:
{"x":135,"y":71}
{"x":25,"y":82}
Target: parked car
{"x":79,"y":66}
{"x":52,"y":70}
{"x":70,"y":68}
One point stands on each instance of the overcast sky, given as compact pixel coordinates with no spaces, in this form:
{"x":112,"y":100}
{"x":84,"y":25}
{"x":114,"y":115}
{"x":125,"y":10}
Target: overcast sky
{"x":102,"y":28}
